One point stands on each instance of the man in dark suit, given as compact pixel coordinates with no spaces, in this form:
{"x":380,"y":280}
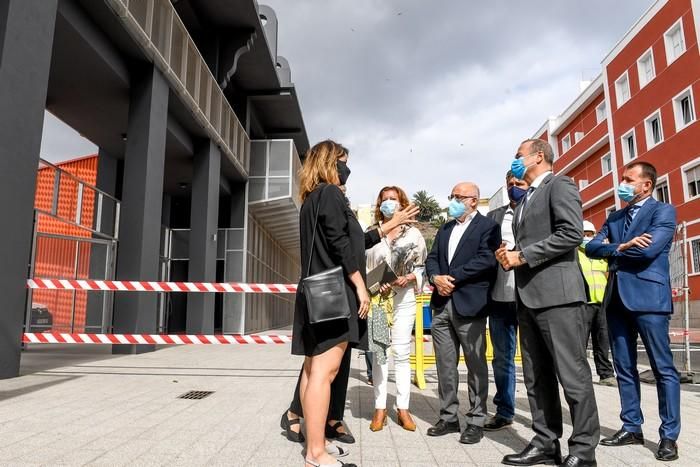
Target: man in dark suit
{"x":503,"y":321}
{"x":548,"y":229}
{"x":461,"y":267}
{"x":636,"y":241}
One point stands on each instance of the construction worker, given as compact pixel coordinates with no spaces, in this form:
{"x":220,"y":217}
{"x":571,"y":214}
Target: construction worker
{"x":595,"y":273}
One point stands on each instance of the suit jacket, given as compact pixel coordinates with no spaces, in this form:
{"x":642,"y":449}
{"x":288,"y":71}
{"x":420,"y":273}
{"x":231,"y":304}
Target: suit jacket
{"x":473,"y":265}
{"x":498,"y":214}
{"x":642,"y":274}
{"x":548,"y":234}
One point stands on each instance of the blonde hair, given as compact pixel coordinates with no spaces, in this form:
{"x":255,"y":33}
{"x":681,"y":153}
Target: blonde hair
{"x":403,"y":200}
{"x":320,"y":166}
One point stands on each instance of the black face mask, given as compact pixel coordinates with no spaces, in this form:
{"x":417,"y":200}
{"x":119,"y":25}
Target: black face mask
{"x":343,"y":171}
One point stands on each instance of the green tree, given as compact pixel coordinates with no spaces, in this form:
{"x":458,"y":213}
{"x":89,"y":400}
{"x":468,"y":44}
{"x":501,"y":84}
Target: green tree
{"x":427,"y":205}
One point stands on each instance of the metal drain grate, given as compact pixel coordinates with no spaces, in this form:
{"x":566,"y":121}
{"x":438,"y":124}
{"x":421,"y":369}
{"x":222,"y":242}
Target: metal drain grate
{"x":196,"y":394}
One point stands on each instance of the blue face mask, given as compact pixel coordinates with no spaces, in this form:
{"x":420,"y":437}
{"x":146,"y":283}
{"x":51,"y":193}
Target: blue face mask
{"x":518,"y":168}
{"x":515,"y":193}
{"x":626,"y":192}
{"x":585,"y":241}
{"x":388,"y":207}
{"x":456,"y":209}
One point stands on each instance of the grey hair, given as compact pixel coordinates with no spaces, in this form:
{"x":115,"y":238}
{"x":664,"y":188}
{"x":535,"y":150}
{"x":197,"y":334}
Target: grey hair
{"x":537,"y":145}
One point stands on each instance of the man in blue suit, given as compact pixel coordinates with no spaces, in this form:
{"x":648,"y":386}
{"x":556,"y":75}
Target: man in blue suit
{"x":636,"y":241}
{"x":462,"y":267}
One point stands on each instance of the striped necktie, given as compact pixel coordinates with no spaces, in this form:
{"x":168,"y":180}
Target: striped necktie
{"x":629,"y":217}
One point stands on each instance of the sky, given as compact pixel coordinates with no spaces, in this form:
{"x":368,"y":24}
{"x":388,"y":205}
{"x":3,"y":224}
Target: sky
{"x":429,"y":93}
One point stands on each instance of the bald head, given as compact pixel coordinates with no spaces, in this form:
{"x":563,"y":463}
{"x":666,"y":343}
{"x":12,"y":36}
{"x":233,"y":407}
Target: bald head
{"x":466,"y":193}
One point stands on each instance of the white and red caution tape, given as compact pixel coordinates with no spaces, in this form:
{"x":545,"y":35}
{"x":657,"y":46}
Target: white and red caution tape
{"x":161,"y":339}
{"x":151,"y":286}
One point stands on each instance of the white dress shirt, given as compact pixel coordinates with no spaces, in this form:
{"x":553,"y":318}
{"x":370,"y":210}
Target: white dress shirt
{"x":456,"y":235}
{"x":533,"y":187}
{"x":504,"y":287}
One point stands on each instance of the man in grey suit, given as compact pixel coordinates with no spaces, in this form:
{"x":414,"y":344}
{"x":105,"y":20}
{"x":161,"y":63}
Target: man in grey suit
{"x":550,"y":294}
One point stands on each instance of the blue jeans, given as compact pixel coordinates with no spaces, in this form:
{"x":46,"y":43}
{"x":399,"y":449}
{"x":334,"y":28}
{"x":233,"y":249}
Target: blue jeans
{"x":503,"y":327}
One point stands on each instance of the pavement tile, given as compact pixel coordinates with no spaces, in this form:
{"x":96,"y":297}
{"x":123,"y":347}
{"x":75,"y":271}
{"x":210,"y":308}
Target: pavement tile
{"x":124,"y":411}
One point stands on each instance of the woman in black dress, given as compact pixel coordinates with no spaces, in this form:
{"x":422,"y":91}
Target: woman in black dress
{"x":335,"y":428}
{"x":337,"y":242}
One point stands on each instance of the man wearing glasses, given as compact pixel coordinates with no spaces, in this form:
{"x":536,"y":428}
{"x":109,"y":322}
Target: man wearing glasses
{"x":462,"y":267}
{"x":550,"y":294}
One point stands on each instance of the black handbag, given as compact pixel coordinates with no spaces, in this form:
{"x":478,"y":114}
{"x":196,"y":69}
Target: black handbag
{"x":325,"y":293}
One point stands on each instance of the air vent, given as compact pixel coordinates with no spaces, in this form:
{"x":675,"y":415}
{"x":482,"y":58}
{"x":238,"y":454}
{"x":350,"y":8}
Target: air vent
{"x":196,"y":395}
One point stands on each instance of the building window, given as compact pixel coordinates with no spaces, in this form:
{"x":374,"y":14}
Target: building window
{"x":654,"y":131}
{"x":578,"y":136}
{"x":629,"y":146}
{"x":566,"y":143}
{"x":645,"y":67}
{"x":684,"y":109}
{"x":695,"y":254}
{"x":601,"y":112}
{"x":692,"y":181}
{"x":661,"y":192}
{"x":674,"y":41}
{"x":622,"y":90}
{"x":606,"y":163}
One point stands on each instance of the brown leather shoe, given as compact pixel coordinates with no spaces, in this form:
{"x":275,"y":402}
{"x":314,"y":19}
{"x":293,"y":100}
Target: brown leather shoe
{"x":378,"y":420}
{"x":405,"y":420}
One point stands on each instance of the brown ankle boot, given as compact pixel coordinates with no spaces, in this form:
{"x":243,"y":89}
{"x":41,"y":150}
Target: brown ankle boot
{"x":378,"y":420}
{"x":405,"y":420}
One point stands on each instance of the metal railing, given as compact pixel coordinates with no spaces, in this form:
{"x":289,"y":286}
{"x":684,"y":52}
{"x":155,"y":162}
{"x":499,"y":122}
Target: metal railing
{"x":156,"y":26}
{"x":79,"y":204}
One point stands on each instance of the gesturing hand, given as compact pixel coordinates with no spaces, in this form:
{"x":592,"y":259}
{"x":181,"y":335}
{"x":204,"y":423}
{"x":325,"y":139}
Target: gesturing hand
{"x":402,"y":281}
{"x":642,"y":241}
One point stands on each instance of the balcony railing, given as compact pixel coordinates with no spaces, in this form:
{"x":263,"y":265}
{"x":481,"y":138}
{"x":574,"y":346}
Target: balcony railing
{"x":156,"y":26}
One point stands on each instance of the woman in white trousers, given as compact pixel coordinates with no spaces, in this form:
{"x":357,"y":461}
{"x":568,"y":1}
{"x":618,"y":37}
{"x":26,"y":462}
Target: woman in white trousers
{"x":404,"y":250}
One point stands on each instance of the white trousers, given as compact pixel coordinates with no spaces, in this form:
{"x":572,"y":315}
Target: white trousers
{"x":404,"y":317}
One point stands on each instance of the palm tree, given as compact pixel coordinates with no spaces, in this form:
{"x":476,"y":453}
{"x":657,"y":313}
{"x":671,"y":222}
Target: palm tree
{"x":427,"y":205}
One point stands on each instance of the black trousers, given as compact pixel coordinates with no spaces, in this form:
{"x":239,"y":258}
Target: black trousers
{"x":339,"y":391}
{"x":598,"y":326}
{"x":553,"y":352}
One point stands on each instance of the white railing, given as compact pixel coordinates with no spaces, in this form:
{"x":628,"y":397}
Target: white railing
{"x":157,"y":27}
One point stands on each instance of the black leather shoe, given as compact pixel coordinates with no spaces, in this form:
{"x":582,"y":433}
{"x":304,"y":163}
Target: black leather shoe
{"x":286,"y":425}
{"x":573,"y":461}
{"x":497,"y":423}
{"x":667,"y":450}
{"x":442,"y":428}
{"x":623,"y":438}
{"x":471,"y":435}
{"x":532,"y":455}
{"x":333,"y":432}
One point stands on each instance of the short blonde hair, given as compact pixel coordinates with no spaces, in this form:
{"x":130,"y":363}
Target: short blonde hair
{"x":320,"y":166}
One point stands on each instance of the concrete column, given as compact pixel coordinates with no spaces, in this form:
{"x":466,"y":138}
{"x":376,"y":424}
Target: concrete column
{"x":234,"y":304}
{"x":203,"y":226}
{"x":26,"y":40}
{"x":142,"y":202}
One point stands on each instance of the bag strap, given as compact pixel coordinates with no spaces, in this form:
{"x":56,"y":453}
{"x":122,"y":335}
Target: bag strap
{"x":313,"y":236}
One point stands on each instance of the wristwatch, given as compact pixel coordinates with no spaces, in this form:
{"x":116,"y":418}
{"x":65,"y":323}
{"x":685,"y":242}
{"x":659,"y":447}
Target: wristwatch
{"x":431,"y":279}
{"x":521,"y":257}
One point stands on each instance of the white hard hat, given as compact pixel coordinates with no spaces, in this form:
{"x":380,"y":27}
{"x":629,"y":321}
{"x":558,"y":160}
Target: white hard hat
{"x":588,"y":226}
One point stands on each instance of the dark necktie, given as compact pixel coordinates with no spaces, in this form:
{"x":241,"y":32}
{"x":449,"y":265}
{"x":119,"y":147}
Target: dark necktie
{"x":629,"y":217}
{"x":529,"y":193}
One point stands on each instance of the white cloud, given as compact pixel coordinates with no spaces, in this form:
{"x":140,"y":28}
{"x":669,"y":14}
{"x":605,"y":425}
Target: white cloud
{"x":60,"y":142}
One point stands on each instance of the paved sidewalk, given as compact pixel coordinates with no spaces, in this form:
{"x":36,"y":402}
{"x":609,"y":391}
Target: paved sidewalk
{"x":83,"y":406}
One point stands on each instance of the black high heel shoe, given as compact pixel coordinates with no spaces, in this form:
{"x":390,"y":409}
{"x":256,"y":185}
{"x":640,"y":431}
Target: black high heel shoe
{"x":286,"y":424}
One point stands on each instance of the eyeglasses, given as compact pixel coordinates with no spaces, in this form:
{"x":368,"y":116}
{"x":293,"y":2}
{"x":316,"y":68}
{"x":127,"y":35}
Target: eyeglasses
{"x":459,"y":198}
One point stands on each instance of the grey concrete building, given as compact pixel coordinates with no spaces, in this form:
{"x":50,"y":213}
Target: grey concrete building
{"x":200,"y":132}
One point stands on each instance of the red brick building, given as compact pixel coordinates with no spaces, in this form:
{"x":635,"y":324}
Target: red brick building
{"x":643,"y":106}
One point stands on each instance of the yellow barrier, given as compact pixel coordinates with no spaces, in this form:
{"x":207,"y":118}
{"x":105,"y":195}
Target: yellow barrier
{"x":419,"y":359}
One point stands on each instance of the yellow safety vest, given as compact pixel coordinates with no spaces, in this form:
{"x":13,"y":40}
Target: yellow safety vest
{"x":594,"y":272}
